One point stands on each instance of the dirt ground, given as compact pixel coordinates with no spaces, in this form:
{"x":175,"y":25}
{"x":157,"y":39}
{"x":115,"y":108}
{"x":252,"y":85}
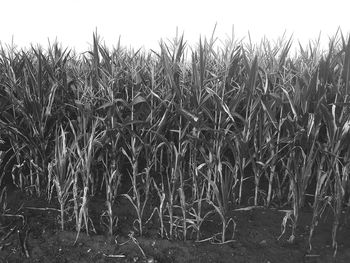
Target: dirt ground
{"x":34,"y":235}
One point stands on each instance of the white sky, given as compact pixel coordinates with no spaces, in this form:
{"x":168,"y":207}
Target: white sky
{"x":144,"y":23}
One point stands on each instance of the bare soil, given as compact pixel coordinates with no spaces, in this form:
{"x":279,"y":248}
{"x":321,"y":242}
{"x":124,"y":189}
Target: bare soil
{"x":30,"y":232}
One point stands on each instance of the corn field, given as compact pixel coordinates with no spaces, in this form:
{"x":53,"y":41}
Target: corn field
{"x":182,"y":134}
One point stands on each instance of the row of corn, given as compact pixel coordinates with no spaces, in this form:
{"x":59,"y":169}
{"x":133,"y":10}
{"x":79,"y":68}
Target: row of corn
{"x":194,"y":136}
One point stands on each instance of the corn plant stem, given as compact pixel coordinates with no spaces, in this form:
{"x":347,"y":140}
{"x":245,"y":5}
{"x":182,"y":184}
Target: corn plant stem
{"x":21,"y":178}
{"x":31,"y":173}
{"x":274,"y":159}
{"x":338,"y":203}
{"x":271,"y":177}
{"x":160,"y":209}
{"x":75,"y":200}
{"x":62,"y":214}
{"x":83,"y":214}
{"x":170,"y":202}
{"x":161,"y":194}
{"x":38,"y":174}
{"x":178,"y":168}
{"x":256,"y":191}
{"x":242,"y":168}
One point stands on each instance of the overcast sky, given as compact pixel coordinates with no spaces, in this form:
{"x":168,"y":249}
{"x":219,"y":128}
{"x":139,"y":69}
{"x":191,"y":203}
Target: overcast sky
{"x":143,"y":23}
